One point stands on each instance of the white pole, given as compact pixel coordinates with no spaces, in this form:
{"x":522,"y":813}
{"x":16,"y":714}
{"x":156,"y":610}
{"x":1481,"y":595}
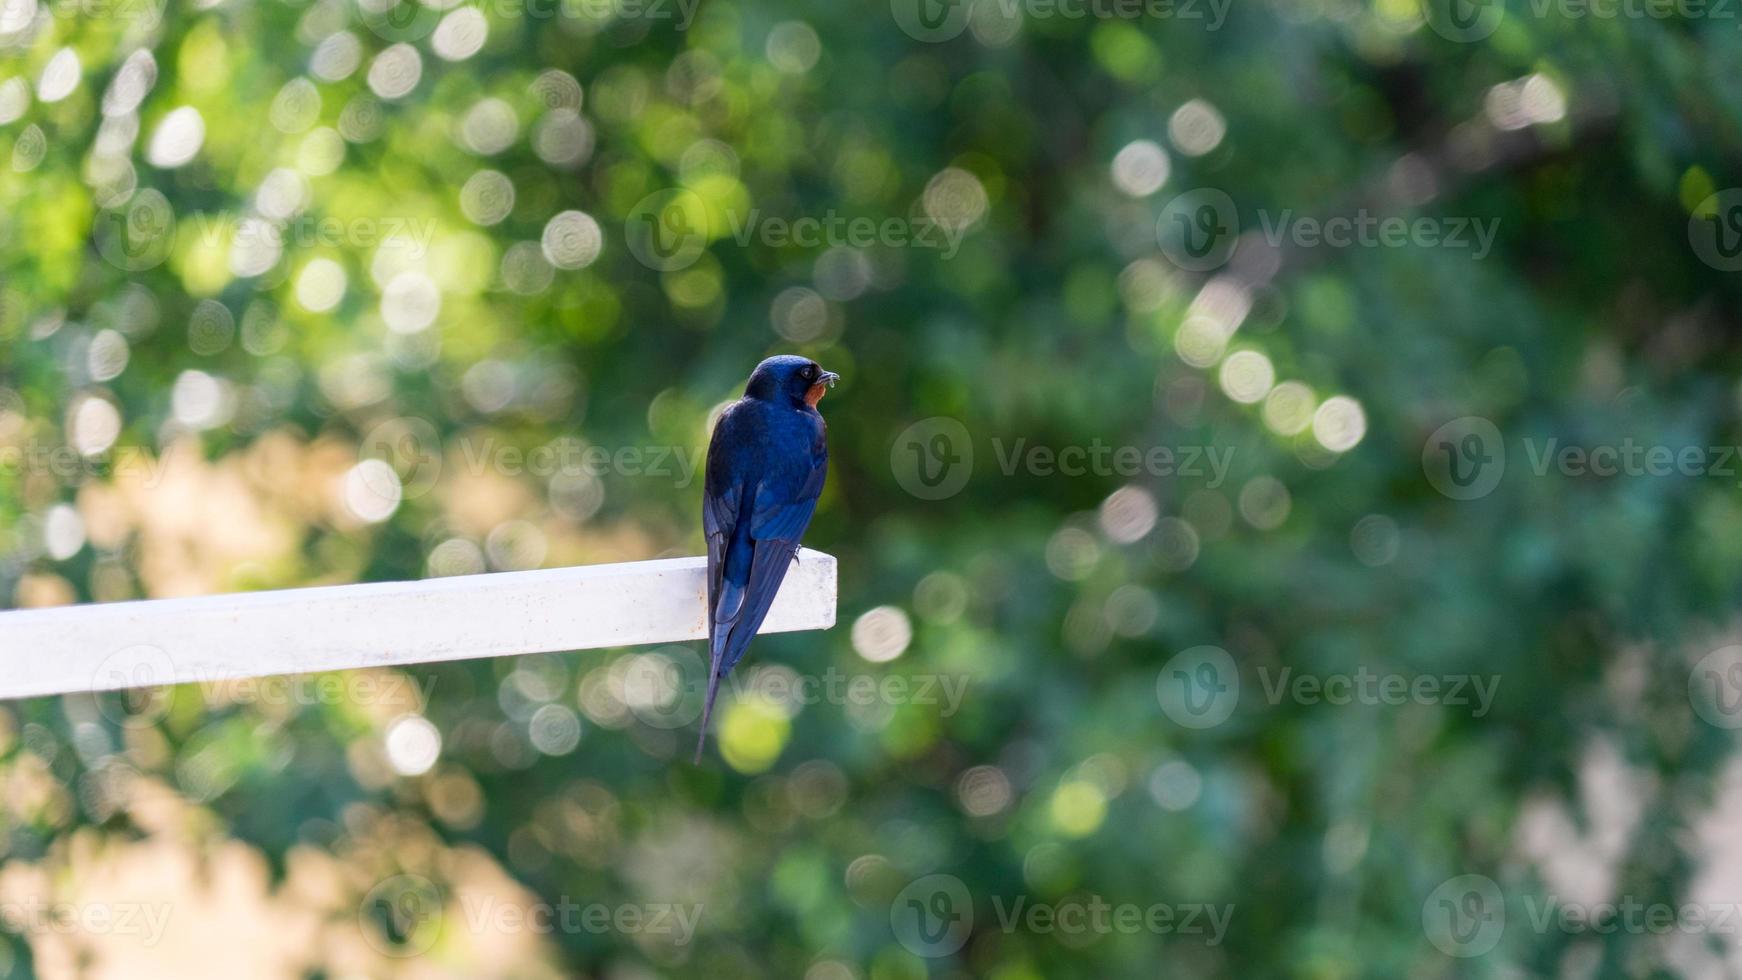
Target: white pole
{"x":107,"y":646}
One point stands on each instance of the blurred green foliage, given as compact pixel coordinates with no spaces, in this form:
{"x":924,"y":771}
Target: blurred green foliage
{"x":409,"y":235}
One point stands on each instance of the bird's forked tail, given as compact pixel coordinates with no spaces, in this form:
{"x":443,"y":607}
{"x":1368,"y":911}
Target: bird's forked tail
{"x":708,"y":705}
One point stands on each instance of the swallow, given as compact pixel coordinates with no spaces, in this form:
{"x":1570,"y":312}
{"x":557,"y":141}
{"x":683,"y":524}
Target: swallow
{"x":766,"y":464}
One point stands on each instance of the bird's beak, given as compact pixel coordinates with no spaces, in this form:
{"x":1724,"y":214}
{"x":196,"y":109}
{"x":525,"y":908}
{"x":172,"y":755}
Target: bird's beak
{"x":824,"y":382}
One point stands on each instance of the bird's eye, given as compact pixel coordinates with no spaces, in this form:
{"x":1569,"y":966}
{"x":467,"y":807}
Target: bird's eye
{"x":810,"y":373}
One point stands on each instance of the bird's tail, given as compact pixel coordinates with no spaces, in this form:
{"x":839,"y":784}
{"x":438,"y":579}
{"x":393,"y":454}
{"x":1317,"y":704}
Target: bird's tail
{"x":708,"y":705}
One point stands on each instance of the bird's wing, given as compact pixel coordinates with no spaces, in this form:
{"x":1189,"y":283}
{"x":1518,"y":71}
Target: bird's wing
{"x":720,"y":504}
{"x":776,"y":525}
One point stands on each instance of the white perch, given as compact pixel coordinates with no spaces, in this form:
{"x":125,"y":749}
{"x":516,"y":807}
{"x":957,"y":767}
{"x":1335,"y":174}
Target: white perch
{"x":109,"y":646}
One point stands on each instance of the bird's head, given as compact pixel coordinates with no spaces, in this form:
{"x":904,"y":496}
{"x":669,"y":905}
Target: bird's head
{"x":788,"y":378}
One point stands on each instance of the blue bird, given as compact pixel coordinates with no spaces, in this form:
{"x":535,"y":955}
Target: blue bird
{"x":766,"y":466}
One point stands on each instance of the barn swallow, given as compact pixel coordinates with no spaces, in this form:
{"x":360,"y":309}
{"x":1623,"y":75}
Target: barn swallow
{"x":766,"y":465}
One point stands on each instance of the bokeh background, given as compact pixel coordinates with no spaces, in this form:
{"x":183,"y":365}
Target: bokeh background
{"x":300,"y":293}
